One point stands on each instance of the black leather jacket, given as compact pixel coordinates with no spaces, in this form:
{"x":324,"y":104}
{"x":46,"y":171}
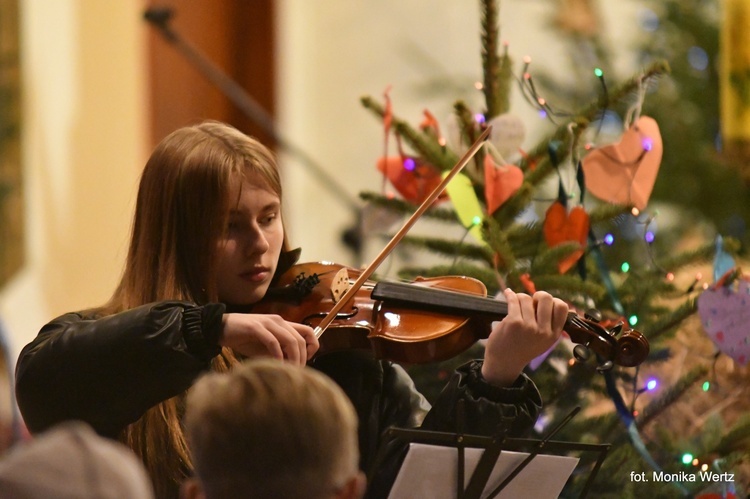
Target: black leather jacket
{"x":108,"y":371}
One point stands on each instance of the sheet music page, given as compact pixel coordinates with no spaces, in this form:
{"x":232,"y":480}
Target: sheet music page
{"x":430,"y":472}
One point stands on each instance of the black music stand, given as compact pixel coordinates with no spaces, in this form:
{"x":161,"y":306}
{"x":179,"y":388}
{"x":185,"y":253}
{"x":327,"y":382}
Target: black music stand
{"x":493,"y":447}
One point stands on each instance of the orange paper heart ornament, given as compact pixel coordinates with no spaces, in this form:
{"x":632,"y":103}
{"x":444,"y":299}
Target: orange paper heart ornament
{"x":500,"y":183}
{"x":561,"y":227}
{"x":412,"y":178}
{"x":625,"y":172}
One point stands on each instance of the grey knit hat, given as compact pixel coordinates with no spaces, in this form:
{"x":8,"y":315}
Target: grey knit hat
{"x":71,"y":461}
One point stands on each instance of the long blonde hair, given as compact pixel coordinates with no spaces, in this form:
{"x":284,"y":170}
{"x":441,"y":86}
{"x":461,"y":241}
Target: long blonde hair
{"x":181,"y":212}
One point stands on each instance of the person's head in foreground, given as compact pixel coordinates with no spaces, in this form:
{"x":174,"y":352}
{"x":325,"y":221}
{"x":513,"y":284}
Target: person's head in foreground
{"x":70,"y":461}
{"x":268,"y":429}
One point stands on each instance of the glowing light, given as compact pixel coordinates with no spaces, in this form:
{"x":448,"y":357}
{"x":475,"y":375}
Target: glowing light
{"x":706,"y":386}
{"x":696,"y":462}
{"x":635,"y":212}
{"x":649,"y":237}
{"x":572,"y":362}
{"x":670,"y":276}
{"x":625,"y":267}
{"x":698,"y":276}
{"x":526,"y":76}
{"x":479,"y":118}
{"x":649,"y":19}
{"x":598,"y":72}
{"x":635,"y":413}
{"x":478,"y":85}
{"x":609,"y":239}
{"x":633,"y":320}
{"x":698,"y":58}
{"x":542,"y":113}
{"x":651,"y":384}
{"x":442,"y":141}
{"x":526,"y":59}
{"x":541,"y":101}
{"x":647,"y":143}
{"x":409,"y":164}
{"x":704,"y":467}
{"x":705,"y":285}
{"x":687,"y":458}
{"x":476,"y":220}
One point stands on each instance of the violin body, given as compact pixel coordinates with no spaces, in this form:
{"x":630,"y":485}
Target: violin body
{"x":391,"y":329}
{"x":427,"y":320}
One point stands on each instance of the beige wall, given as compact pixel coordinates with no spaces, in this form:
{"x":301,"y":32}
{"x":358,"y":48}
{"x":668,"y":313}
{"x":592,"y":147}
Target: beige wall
{"x":83,"y":136}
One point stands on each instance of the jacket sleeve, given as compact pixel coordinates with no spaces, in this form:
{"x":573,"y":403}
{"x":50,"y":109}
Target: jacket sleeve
{"x":487,"y":409}
{"x":108,"y":371}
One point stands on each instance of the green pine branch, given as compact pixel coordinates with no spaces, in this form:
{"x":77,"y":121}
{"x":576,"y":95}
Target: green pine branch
{"x":426,"y":145}
{"x":401,"y":206}
{"x":469,"y":135}
{"x":450,"y":249}
{"x":669,"y":321}
{"x":670,"y":395}
{"x":702,"y":254}
{"x":736,"y":439}
{"x":497,"y":71}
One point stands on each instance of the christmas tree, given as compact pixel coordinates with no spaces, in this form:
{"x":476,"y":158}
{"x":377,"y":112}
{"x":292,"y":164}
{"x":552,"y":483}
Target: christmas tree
{"x":575,"y":215}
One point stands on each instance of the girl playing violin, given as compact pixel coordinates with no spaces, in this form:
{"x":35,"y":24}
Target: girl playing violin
{"x":207,"y":242}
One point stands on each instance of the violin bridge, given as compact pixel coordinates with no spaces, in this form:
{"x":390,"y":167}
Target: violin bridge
{"x":340,"y":284}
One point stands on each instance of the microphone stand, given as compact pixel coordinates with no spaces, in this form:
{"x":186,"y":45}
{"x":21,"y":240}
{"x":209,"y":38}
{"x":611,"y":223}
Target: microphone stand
{"x":160,"y":18}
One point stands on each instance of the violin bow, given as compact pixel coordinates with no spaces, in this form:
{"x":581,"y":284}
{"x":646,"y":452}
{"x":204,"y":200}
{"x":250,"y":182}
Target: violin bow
{"x":367,"y":272}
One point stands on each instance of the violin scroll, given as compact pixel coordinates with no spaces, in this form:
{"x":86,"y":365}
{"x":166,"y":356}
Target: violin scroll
{"x":613,"y":346}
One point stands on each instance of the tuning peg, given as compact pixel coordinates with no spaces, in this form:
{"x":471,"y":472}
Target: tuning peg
{"x":593,"y":314}
{"x":582,"y":353}
{"x":605,"y":366}
{"x":616,"y":329}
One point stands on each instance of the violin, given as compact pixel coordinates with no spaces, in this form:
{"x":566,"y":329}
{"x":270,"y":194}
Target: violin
{"x":427,"y":320}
